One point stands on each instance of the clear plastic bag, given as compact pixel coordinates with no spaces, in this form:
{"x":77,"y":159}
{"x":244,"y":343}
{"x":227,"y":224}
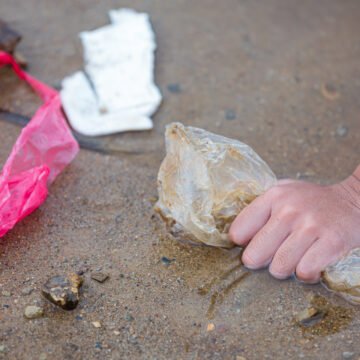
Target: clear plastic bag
{"x":344,"y":277}
{"x":204,"y":181}
{"x":43,"y":149}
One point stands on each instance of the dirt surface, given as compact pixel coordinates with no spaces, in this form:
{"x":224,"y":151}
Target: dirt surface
{"x":260,"y":71}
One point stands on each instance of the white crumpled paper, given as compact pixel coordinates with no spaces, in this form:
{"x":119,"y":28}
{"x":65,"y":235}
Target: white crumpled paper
{"x":204,"y":181}
{"x":116,"y":92}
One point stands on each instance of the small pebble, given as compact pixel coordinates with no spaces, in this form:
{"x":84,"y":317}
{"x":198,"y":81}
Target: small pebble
{"x":166,"y":261}
{"x":342,"y":130}
{"x":96,"y":324}
{"x":116,"y":332}
{"x":26,"y":291}
{"x":329,"y":92}
{"x":42,"y":356}
{"x":347,"y":355}
{"x":33,"y":312}
{"x":99,"y":276}
{"x":174,"y":88}
{"x":6,"y":293}
{"x":129,"y":317}
{"x":230,"y":114}
{"x":63,"y":291}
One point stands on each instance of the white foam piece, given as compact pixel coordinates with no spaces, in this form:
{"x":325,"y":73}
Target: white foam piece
{"x":80,"y":105}
{"x":119,"y":61}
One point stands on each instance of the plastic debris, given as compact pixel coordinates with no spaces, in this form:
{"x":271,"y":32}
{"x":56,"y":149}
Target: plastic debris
{"x":344,"y":277}
{"x":43,"y":149}
{"x":116,"y":92}
{"x":204,"y":181}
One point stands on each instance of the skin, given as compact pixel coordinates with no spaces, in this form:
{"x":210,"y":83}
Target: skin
{"x":299,"y":227}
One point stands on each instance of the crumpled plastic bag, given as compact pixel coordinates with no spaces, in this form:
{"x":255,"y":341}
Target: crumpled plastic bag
{"x":204,"y":181}
{"x":43,"y":149}
{"x":344,"y":277}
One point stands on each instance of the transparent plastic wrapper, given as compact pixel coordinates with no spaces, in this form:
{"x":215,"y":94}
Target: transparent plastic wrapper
{"x":204,"y":181}
{"x":344,"y":277}
{"x":43,"y":149}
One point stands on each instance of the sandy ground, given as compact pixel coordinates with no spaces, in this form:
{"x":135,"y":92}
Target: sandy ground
{"x":252,"y":70}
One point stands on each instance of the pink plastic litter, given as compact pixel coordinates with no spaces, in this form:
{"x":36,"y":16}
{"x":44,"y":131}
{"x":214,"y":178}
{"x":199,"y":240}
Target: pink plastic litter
{"x":43,"y":149}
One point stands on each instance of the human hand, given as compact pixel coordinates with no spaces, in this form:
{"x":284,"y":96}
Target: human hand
{"x":299,"y":227}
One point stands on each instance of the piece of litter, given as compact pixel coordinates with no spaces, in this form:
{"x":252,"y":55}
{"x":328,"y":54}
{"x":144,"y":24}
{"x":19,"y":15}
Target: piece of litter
{"x":210,"y":327}
{"x":43,"y":149}
{"x":118,"y":92}
{"x":99,"y":276}
{"x":204,"y":182}
{"x":344,"y":277}
{"x":309,"y":316}
{"x":96,"y":324}
{"x":116,"y":332}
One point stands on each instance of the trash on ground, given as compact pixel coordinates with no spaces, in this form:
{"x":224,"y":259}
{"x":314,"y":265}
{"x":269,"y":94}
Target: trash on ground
{"x":204,"y":181}
{"x":323,"y":318}
{"x":309,"y":316}
{"x":344,"y":277}
{"x":99,"y":276}
{"x":43,"y":149}
{"x":33,"y":312}
{"x":63,"y":291}
{"x":96,"y":324}
{"x":116,"y":92}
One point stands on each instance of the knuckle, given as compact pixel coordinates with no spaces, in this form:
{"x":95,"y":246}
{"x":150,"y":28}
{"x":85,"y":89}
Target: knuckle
{"x":288,"y":213}
{"x":309,"y":229}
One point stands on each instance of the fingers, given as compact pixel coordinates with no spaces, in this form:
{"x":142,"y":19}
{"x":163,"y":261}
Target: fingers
{"x":265,"y":243}
{"x":290,"y":253}
{"x":250,"y":220}
{"x":322,"y":253}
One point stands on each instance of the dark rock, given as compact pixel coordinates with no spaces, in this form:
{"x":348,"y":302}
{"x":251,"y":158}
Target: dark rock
{"x":309,"y":316}
{"x":129,"y":317}
{"x":230,"y":114}
{"x":99,"y":276}
{"x":63,"y":291}
{"x":174,"y":88}
{"x":9,"y":38}
{"x":166,"y":261}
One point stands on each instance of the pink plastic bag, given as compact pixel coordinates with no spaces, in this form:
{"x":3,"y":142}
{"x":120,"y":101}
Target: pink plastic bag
{"x":43,"y":149}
